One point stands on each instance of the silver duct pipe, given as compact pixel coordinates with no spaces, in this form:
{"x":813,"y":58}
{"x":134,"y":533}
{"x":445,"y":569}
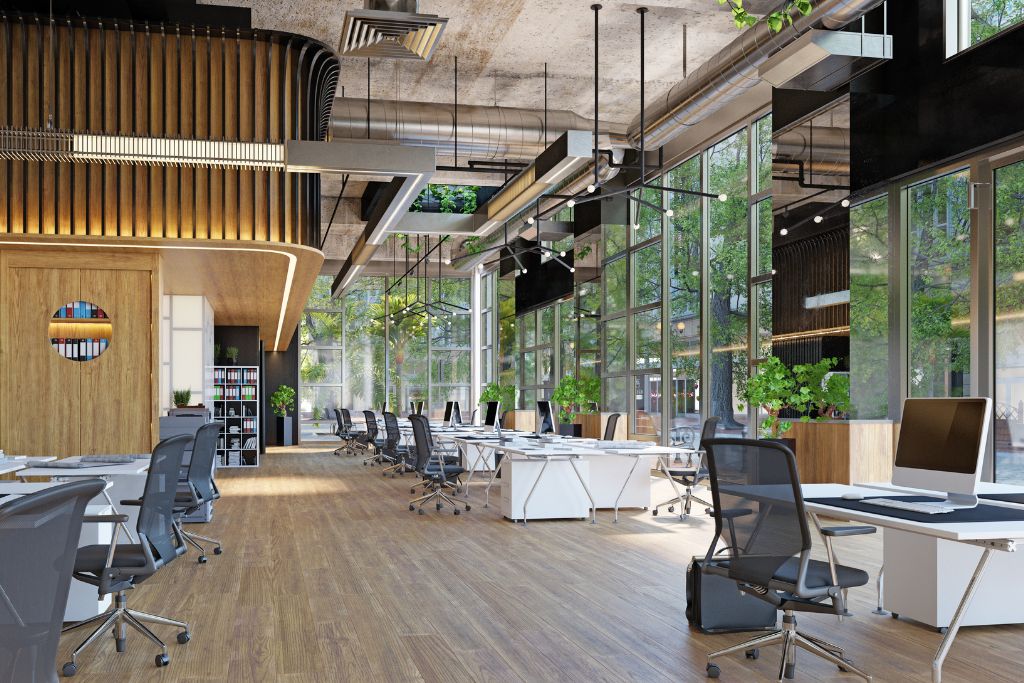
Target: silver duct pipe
{"x":484,"y":132}
{"x":733,"y":71}
{"x":827,"y":148}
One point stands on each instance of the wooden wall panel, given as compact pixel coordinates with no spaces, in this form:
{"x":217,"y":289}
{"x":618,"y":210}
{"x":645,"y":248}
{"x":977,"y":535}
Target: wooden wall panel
{"x":151,"y":80}
{"x":65,"y":407}
{"x":41,"y":390}
{"x":118,"y":406}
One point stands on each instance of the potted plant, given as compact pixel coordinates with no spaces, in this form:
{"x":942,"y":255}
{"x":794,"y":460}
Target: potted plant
{"x":775,"y":389}
{"x":181,"y":397}
{"x":281,"y":401}
{"x":318,"y":415}
{"x":232,"y":355}
{"x":504,"y":393}
{"x":829,"y":392}
{"x":575,"y":396}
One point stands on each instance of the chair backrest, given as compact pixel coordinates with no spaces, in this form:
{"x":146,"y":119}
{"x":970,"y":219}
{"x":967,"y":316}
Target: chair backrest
{"x":707,"y":431}
{"x":346,"y":419}
{"x":39,"y":535}
{"x":200,"y":468}
{"x":421,"y":440}
{"x":609,"y":427}
{"x":758,"y":506}
{"x":371,"y":424}
{"x":392,"y":433}
{"x":339,"y":423}
{"x":155,"y":524}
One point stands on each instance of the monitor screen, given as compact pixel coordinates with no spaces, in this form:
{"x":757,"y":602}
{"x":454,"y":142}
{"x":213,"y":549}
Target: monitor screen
{"x":448,"y":412}
{"x":491,"y":416}
{"x":456,"y":413}
{"x":545,"y":419}
{"x":942,"y":434}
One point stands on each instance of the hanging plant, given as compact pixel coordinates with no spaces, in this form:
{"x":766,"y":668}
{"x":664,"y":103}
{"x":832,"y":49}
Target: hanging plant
{"x":472,"y":245}
{"x":776,"y":20}
{"x":583,"y":252}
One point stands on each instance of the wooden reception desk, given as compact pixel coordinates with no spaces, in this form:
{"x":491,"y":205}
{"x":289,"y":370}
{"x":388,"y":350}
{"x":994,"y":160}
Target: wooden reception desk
{"x":844,"y":451}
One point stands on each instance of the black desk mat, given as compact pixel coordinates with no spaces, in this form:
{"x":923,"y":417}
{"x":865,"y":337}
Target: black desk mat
{"x":981,"y":513}
{"x":1003,"y":497}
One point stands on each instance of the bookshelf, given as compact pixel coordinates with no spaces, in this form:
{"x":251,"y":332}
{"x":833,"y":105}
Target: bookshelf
{"x":80,"y":331}
{"x":235,"y":395}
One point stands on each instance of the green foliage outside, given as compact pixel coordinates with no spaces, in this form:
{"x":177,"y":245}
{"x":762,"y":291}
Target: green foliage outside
{"x":448,"y":197}
{"x":576,"y":396}
{"x":989,"y":17}
{"x":505,"y":393}
{"x":283,"y":400}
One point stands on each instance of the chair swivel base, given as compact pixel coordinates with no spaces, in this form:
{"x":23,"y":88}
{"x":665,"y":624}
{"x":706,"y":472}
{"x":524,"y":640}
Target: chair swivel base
{"x":193,"y":540}
{"x":119,"y":618}
{"x":684,"y":501}
{"x":790,"y":639}
{"x":441,"y":498}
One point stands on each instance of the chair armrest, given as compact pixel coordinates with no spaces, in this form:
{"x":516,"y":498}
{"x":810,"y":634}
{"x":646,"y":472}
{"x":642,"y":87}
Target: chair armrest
{"x":841,"y":531}
{"x":99,"y":519}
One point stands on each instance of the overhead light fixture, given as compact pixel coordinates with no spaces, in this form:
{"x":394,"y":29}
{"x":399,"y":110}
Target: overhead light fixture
{"x":390,"y":29}
{"x":784,"y":232}
{"x":845,"y":203}
{"x":818,"y":219}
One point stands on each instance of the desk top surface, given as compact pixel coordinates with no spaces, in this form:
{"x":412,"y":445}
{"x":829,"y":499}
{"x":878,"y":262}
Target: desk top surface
{"x":137,"y":467}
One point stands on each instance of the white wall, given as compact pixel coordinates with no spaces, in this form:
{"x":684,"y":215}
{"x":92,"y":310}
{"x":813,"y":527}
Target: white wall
{"x":186,"y":347}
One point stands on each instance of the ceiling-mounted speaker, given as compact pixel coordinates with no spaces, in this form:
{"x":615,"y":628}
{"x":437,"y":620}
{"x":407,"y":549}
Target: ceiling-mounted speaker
{"x":390,"y":29}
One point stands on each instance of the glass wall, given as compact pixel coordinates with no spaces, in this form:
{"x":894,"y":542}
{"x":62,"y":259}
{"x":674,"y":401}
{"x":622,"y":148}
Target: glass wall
{"x":320,"y":353}
{"x":488,"y":318}
{"x":939,"y":250}
{"x":1008,"y":359}
{"x":364,"y":355}
{"x":728,"y":268}
{"x":869,"y":309}
{"x":450,"y":342}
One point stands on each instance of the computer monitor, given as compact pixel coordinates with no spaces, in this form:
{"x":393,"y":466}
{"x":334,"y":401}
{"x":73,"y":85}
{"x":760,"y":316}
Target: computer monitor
{"x":456,"y":413}
{"x":449,"y":407}
{"x":415,"y":407}
{"x":545,"y":418}
{"x":491,"y":416}
{"x":941,"y":446}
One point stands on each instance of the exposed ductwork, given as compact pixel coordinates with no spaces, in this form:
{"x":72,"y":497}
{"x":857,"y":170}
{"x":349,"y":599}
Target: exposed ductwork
{"x":483,"y":132}
{"x":733,"y":71}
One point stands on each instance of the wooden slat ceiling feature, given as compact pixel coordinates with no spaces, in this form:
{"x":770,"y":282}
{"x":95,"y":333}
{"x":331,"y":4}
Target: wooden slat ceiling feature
{"x":247,"y":283}
{"x":122,"y":78}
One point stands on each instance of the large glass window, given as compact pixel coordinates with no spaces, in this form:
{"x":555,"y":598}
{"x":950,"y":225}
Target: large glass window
{"x":869,"y":309}
{"x":939,"y":249}
{"x":450,"y":356}
{"x":684,"y":302}
{"x":320,"y":353}
{"x":728,"y":240}
{"x":537,"y":355}
{"x":364,"y":358}
{"x":1009,"y":323}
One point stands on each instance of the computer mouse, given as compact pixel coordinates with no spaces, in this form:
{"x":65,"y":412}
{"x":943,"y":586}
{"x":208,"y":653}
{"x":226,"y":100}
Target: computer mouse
{"x":853,"y":495}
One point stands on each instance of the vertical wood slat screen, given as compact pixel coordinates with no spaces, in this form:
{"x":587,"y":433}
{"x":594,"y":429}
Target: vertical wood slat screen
{"x":173,"y":81}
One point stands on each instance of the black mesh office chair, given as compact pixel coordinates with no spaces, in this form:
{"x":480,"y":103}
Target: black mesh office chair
{"x":343,"y":429}
{"x":430,"y":464}
{"x":39,"y":535}
{"x":117,"y":568}
{"x":688,"y":477}
{"x":369,"y":440}
{"x":609,"y":427}
{"x":393,"y":452}
{"x":760,"y":519}
{"x":199,"y":488}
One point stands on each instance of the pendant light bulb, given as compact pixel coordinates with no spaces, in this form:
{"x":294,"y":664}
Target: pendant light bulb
{"x":784,"y":232}
{"x":845,"y":203}
{"x":636,"y":226}
{"x":723,"y":197}
{"x":571,"y":203}
{"x":591,"y":189}
{"x":530,"y":220}
{"x":572,"y":270}
{"x":670,"y":213}
{"x":562,"y":254}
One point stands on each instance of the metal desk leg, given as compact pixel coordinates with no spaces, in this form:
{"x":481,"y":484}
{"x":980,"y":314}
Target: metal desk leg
{"x":954,"y":626}
{"x":675,"y":486}
{"x":880,"y":587}
{"x":121,"y":524}
{"x":533,"y":488}
{"x":636,"y":461}
{"x":593,"y":508}
{"x":494,"y":475}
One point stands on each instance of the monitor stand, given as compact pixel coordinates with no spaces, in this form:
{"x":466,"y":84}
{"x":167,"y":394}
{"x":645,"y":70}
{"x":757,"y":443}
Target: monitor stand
{"x":960,"y":501}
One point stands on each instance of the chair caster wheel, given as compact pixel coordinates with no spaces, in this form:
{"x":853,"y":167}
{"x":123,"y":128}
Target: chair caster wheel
{"x":790,"y":672}
{"x":411,"y":508}
{"x":713,"y":671}
{"x":121,"y":644}
{"x":184,"y":637}
{"x":895,"y":615}
{"x":412,"y":490}
{"x":218,"y":551}
{"x":753,"y":654}
{"x":69,"y":669}
{"x":468,"y":508}
{"x":654,"y":512}
{"x":941,"y":630}
{"x":671,"y":508}
{"x":455,"y":511}
{"x":162,"y":660}
{"x":422,"y":511}
{"x":201,"y":559}
{"x":437,"y":507}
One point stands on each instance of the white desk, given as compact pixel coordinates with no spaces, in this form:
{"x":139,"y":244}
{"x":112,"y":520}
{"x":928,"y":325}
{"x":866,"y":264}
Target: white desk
{"x":981,"y":537}
{"x":128,"y":481}
{"x":553,"y":479}
{"x":621,"y":477}
{"x":15,"y":464}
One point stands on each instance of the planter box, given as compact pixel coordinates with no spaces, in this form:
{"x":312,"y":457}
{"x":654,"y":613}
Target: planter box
{"x":284,"y":431}
{"x":594,"y":425}
{"x":570,"y":430}
{"x":843,"y":452}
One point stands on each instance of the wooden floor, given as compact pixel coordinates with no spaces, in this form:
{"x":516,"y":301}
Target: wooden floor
{"x":327,"y":576}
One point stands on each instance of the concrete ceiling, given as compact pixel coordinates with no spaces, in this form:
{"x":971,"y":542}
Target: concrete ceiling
{"x":502,"y":47}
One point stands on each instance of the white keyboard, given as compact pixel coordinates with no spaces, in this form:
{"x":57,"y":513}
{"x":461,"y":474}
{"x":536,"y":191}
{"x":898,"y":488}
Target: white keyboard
{"x":923,"y":508}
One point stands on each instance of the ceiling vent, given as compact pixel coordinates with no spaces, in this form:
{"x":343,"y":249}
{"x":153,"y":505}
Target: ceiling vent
{"x":825,"y":60}
{"x":390,"y":29}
